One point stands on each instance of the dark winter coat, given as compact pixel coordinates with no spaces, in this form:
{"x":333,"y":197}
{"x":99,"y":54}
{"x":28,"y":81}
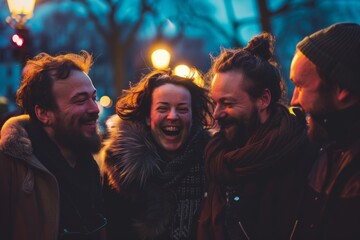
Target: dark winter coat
{"x":146,"y":197}
{"x":331,"y":204}
{"x":254,"y":189}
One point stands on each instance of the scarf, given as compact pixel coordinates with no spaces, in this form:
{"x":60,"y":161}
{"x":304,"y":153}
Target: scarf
{"x":172,"y":189}
{"x":184,"y":175}
{"x":271,"y":146}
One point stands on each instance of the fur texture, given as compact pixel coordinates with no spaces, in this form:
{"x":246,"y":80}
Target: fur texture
{"x":166,"y":194}
{"x":130,"y":156}
{"x":14,"y":139}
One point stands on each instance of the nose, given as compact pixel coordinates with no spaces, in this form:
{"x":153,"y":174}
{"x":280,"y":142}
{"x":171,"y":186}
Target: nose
{"x":218,"y":112}
{"x":172,"y":115}
{"x":93,"y":107}
{"x":295,"y":98}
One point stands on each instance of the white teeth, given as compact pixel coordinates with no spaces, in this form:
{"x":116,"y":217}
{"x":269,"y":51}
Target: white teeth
{"x":171,"y":128}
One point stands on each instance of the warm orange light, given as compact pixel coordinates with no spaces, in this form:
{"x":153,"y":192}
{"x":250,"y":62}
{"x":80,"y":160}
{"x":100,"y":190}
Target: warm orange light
{"x":105,"y":101}
{"x":182,"y":70}
{"x":160,"y":59}
{"x":21,"y":8}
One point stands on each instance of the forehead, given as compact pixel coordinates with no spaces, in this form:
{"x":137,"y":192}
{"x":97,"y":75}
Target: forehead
{"x":303,"y":71}
{"x":228,"y":84}
{"x":77,"y":82}
{"x":170,"y":93}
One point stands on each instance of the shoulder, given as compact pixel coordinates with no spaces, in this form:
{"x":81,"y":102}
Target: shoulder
{"x":129,"y":155}
{"x":14,"y":139}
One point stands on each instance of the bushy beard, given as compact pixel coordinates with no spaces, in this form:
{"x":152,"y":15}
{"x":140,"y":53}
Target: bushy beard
{"x":74,"y":140}
{"x":316,"y":132}
{"x":243,"y":128}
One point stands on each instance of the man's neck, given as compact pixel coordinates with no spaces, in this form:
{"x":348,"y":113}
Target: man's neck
{"x":69,"y":156}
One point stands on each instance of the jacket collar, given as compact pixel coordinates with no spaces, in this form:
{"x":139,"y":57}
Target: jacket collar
{"x":14,"y":140}
{"x":130,"y":155}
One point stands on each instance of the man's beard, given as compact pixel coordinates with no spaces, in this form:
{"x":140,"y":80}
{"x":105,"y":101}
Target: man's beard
{"x":242,"y":129}
{"x":316,"y":132}
{"x":75,"y":140}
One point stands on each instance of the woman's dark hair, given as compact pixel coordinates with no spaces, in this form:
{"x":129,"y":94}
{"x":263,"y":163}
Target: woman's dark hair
{"x":135,"y":103}
{"x":256,"y":61}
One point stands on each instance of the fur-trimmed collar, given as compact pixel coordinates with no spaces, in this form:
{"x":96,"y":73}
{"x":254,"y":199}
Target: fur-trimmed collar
{"x":130,"y":155}
{"x":14,"y":140}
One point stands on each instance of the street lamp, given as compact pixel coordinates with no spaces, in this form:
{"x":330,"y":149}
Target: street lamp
{"x":21,"y":11}
{"x":160,"y":58}
{"x":183,"y":70}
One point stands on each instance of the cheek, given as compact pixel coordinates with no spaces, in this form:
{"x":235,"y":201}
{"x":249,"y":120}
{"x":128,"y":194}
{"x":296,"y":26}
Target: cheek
{"x":187,"y":119}
{"x":155,"y":120}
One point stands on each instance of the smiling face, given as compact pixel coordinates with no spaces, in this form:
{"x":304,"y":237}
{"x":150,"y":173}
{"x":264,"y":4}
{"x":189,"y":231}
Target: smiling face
{"x":74,"y":121}
{"x":170,"y":117}
{"x":235,"y":111}
{"x":311,"y":94}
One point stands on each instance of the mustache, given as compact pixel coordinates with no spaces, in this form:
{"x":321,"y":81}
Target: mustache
{"x":226,"y":121}
{"x":89,"y":118}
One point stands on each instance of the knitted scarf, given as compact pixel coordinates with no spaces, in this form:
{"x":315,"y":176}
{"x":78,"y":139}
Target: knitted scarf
{"x":271,"y":145}
{"x":184,"y":175}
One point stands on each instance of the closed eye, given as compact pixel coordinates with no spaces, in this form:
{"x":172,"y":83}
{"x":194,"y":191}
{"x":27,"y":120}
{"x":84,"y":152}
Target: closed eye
{"x":183,"y":110}
{"x":162,"y":109}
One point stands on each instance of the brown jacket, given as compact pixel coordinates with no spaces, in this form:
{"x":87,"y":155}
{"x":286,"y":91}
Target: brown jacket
{"x":29,"y":193}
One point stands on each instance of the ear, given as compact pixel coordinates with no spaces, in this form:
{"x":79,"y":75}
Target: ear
{"x":44,"y":116}
{"x":264,"y":100}
{"x":147,"y":121}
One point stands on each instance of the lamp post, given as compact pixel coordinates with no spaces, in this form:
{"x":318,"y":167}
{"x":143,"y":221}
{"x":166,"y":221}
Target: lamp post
{"x":21,"y":11}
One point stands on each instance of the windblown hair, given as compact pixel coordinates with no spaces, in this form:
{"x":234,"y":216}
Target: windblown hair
{"x":256,"y":61}
{"x":39,"y":75}
{"x":135,"y":103}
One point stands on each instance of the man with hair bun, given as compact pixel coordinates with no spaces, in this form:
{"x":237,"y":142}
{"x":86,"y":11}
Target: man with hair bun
{"x":257,"y":150}
{"x":326,"y":73}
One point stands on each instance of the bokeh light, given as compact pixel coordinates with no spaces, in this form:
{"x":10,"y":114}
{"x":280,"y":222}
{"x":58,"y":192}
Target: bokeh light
{"x":160,"y":59}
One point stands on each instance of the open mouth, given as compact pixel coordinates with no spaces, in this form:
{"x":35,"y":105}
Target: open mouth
{"x":171,"y":130}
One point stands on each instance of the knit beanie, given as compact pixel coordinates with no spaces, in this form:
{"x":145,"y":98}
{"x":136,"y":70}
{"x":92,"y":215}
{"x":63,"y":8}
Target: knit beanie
{"x":335,"y":51}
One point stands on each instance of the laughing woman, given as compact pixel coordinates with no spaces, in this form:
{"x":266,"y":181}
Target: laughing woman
{"x":153,"y":162}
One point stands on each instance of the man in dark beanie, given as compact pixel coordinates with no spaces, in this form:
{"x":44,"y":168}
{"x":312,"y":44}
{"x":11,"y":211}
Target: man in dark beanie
{"x":326,"y":73}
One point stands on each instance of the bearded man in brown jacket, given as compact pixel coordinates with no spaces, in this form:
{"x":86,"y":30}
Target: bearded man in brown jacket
{"x":49,"y":182}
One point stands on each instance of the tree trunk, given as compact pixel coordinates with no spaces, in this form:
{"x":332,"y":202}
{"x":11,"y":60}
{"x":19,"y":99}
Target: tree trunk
{"x":118,"y":65}
{"x":265,"y":16}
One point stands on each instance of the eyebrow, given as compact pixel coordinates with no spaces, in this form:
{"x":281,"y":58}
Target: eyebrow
{"x":297,"y":83}
{"x":166,"y":103}
{"x":222,"y":99}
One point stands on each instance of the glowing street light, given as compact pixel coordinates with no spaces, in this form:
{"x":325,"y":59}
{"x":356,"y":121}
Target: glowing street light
{"x":183,"y":70}
{"x":105,"y":101}
{"x":21,"y":11}
{"x":160,"y":59}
